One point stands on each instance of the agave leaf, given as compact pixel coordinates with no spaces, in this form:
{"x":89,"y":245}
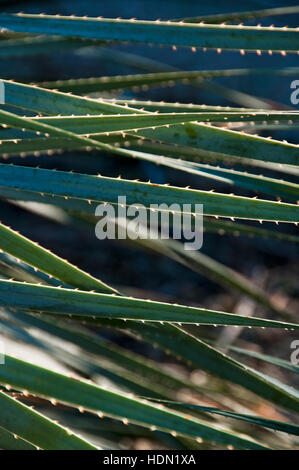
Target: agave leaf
{"x":101,"y":189}
{"x":109,"y":124}
{"x":79,"y":194}
{"x":93,"y":367}
{"x":208,"y":138}
{"x":33,"y":124}
{"x":67,"y":302}
{"x":120,"y":82}
{"x":30,"y":425}
{"x":19,"y":270}
{"x":88,"y":366}
{"x":39,"y":99}
{"x":214,"y":270}
{"x":22,"y":147}
{"x":156,"y":32}
{"x":225,"y":227}
{"x":226,"y":141}
{"x":66,"y":126}
{"x":192,"y":350}
{"x":24,"y":144}
{"x":28,"y":144}
{"x":244,"y":15}
{"x":91,"y":343}
{"x":128,"y":360}
{"x":102,"y":124}
{"x":131,"y":382}
{"x":204,"y":264}
{"x":167,"y":107}
{"x":220,"y":227}
{"x":10,"y":442}
{"x":257,"y":183}
{"x":119,"y":123}
{"x":42,"y":44}
{"x":35,"y":146}
{"x":267,"y":423}
{"x":149,"y":65}
{"x":31,"y":253}
{"x":262,"y":357}
{"x":198,"y":155}
{"x":164,"y":327}
{"x":47,"y":383}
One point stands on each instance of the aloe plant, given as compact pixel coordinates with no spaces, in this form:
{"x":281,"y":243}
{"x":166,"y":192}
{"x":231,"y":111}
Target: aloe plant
{"x":55,"y":309}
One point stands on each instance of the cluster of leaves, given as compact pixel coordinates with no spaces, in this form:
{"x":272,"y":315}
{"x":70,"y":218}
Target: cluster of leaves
{"x":49,"y":298}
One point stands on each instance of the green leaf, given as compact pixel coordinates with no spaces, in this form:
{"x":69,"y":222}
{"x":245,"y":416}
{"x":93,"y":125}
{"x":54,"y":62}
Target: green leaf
{"x":257,"y":183}
{"x":225,"y":141}
{"x":149,"y":65}
{"x":221,"y":227}
{"x":23,"y":375}
{"x":232,"y":228}
{"x":35,"y":145}
{"x":167,"y":107}
{"x":98,"y":188}
{"x":214,"y":270}
{"x":244,"y":15}
{"x":86,"y":125}
{"x":19,"y":270}
{"x":191,"y":350}
{"x":22,"y":248}
{"x":10,"y":442}
{"x":204,"y":137}
{"x":78,"y":303}
{"x":35,"y":428}
{"x":92,"y":343}
{"x":120,"y":82}
{"x":262,"y":357}
{"x":102,"y":124}
{"x":156,"y":32}
{"x":267,"y":423}
{"x":92,"y":367}
{"x":42,"y":44}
